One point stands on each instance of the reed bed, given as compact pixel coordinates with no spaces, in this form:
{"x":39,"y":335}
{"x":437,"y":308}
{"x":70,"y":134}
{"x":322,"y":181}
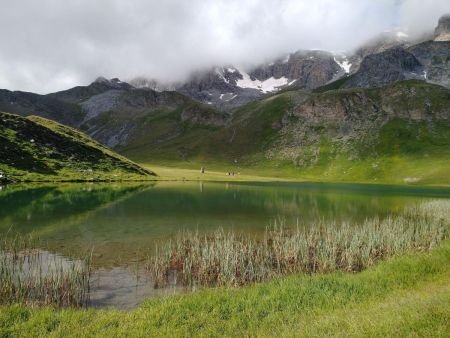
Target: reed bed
{"x":37,"y":277}
{"x":232,"y":259}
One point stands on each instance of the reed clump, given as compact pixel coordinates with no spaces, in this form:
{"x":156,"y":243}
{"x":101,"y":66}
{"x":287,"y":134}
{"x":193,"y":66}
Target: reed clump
{"x":37,"y":277}
{"x":232,"y":259}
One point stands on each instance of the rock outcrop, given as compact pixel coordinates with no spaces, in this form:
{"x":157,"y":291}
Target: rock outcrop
{"x":442,"y":31}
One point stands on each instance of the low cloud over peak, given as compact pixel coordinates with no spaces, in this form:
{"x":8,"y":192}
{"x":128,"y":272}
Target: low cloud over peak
{"x":50,"y":45}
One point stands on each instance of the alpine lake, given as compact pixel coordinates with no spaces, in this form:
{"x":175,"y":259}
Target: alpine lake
{"x":121,"y":224}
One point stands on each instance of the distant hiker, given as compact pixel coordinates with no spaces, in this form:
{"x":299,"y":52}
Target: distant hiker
{"x":202,"y":170}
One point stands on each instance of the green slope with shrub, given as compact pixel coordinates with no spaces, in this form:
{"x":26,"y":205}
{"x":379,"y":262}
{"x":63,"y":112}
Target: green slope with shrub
{"x":37,"y":149}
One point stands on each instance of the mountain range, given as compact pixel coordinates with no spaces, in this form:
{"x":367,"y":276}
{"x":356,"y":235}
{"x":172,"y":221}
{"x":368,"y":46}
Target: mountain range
{"x":227,"y":87}
{"x":309,"y":112}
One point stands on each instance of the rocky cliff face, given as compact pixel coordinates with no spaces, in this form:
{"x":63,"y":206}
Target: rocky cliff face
{"x":442,"y":32}
{"x":392,"y":65}
{"x":349,"y":123}
{"x":435,"y":59}
{"x":429,"y":61}
{"x":394,"y":58}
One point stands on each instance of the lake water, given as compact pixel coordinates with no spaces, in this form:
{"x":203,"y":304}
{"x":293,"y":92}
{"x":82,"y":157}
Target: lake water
{"x":122,"y":223}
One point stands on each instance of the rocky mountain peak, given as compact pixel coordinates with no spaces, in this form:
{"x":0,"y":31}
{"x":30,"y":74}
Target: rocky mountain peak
{"x":101,"y":79}
{"x":383,"y":42}
{"x":158,"y":86}
{"x":442,"y":31}
{"x":113,"y":83}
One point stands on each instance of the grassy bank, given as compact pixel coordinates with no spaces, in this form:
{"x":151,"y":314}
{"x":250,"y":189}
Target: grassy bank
{"x":404,"y":296}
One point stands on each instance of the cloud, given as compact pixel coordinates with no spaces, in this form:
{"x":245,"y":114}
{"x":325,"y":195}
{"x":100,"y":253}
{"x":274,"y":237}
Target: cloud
{"x":50,"y":45}
{"x":420,"y":16}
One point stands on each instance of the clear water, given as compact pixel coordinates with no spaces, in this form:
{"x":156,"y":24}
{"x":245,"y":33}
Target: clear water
{"x":122,"y":223}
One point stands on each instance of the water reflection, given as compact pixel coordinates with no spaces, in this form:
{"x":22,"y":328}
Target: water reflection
{"x":124,"y":221}
{"x":124,"y":288}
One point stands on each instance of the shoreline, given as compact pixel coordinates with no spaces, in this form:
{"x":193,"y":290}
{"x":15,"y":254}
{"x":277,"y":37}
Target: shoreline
{"x":244,"y":180}
{"x":390,"y":298}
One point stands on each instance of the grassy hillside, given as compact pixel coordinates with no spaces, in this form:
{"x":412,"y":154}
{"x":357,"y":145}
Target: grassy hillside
{"x":37,"y":149}
{"x":248,"y":134}
{"x":404,"y":296}
{"x":395,"y":134}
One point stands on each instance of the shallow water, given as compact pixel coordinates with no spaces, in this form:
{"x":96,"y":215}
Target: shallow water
{"x":122,"y":223}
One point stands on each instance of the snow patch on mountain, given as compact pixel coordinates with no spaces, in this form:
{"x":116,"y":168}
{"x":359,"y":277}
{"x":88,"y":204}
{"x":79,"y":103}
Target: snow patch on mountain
{"x":270,"y":85}
{"x":402,"y":35}
{"x":227,"y":97}
{"x":345,"y":65}
{"x":220,"y":74}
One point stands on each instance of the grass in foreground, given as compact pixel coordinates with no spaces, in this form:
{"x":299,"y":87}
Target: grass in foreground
{"x":236,"y":259}
{"x":404,"y":296}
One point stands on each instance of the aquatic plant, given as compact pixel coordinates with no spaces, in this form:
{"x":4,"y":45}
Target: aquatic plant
{"x":37,"y":277}
{"x":234,"y":259}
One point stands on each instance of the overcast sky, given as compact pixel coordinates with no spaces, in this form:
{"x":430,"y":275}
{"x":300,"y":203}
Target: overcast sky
{"x":49,"y":45}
